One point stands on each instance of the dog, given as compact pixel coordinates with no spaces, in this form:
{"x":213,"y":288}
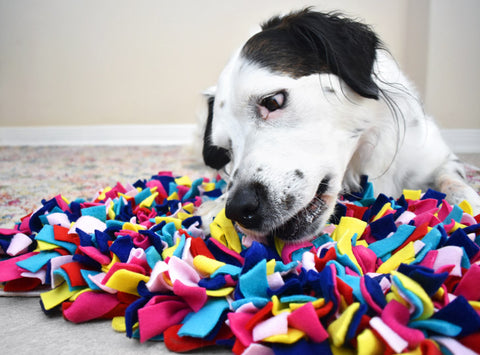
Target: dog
{"x":302,"y":111}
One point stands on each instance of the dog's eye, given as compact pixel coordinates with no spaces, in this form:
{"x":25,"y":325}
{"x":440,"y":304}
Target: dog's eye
{"x":274,"y":102}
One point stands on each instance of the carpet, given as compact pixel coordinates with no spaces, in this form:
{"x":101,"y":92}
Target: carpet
{"x":390,"y":275}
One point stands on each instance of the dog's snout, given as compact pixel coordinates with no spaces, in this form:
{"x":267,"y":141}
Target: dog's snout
{"x":243,"y":206}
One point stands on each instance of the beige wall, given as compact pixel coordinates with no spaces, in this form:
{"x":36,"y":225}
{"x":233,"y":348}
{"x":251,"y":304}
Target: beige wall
{"x":68,"y":62}
{"x":453,"y":70}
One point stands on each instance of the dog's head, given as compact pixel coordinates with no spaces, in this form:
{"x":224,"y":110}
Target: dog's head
{"x":287,"y":114}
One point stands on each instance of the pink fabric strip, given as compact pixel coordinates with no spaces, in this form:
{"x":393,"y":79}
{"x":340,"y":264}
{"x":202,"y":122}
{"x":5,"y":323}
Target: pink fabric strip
{"x":95,"y":254}
{"x":10,"y":271}
{"x":90,"y":305}
{"x":365,"y":257}
{"x":62,"y":204}
{"x":154,"y":319}
{"x":396,"y":316}
{"x":288,"y":249}
{"x":429,"y":259}
{"x":469,"y":285}
{"x":196,"y":297}
{"x":305,"y":319}
{"x":5,"y":231}
{"x":237,"y":322}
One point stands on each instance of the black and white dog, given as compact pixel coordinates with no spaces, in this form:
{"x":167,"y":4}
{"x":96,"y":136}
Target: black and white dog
{"x":306,"y":107}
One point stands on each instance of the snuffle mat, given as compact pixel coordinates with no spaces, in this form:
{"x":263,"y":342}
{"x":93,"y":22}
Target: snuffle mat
{"x":386,"y":276}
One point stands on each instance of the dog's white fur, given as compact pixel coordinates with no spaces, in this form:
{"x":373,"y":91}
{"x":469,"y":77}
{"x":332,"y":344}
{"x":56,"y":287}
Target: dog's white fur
{"x":327,"y":129}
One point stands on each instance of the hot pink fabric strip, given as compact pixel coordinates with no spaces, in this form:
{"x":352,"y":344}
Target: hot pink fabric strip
{"x":90,"y":305}
{"x":397,"y":316}
{"x":10,"y":270}
{"x":305,"y":318}
{"x":159,"y":314}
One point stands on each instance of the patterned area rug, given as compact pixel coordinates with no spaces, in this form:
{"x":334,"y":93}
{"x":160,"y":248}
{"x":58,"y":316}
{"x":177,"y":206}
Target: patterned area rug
{"x":28,"y":175}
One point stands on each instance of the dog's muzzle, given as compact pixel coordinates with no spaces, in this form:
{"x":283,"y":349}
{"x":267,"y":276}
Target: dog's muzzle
{"x":249,"y":207}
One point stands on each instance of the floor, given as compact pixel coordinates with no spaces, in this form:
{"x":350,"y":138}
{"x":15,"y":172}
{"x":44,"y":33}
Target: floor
{"x":30,"y":174}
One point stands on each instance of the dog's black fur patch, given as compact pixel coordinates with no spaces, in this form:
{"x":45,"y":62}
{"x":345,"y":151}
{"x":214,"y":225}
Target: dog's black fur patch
{"x":213,"y":156}
{"x":307,"y":42}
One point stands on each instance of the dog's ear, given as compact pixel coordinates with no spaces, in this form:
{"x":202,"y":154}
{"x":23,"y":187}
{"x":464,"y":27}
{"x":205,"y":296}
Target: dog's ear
{"x":214,"y":156}
{"x":350,"y":49}
{"x":316,"y":42}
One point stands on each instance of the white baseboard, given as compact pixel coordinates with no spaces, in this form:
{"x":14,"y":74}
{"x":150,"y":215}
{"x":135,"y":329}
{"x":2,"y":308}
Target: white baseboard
{"x":460,"y":140}
{"x":169,"y":134}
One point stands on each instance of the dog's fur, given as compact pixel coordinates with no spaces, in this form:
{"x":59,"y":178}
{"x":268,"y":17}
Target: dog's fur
{"x":305,"y":108}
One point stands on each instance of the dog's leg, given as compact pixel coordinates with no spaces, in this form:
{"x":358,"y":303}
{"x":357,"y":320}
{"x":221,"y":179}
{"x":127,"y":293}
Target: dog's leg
{"x":451,"y":181}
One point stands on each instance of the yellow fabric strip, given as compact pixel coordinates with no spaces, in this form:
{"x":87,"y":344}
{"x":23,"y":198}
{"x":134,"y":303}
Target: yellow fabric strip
{"x":343,"y":234}
{"x":349,"y":225}
{"x":133,"y":227}
{"x":291,"y":337}
{"x":118,"y":324}
{"x":418,"y":290}
{"x":369,"y":344}
{"x":41,"y":245}
{"x":386,"y":207}
{"x":183,"y":180}
{"x":126,"y":281}
{"x":176,"y":221}
{"x":466,"y":207}
{"x":405,"y":255}
{"x":208,"y":186}
{"x":173,"y":196}
{"x":115,"y":259}
{"x":278,"y":307}
{"x":319,"y":303}
{"x":222,"y":229}
{"x":149,"y":200}
{"x":223,"y":292}
{"x":205,"y":265}
{"x":271,"y":266}
{"x":339,"y":327}
{"x":412,"y":194}
{"x":53,"y":298}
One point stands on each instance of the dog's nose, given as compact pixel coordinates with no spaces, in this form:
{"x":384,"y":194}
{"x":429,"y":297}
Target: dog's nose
{"x":244,"y":206}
